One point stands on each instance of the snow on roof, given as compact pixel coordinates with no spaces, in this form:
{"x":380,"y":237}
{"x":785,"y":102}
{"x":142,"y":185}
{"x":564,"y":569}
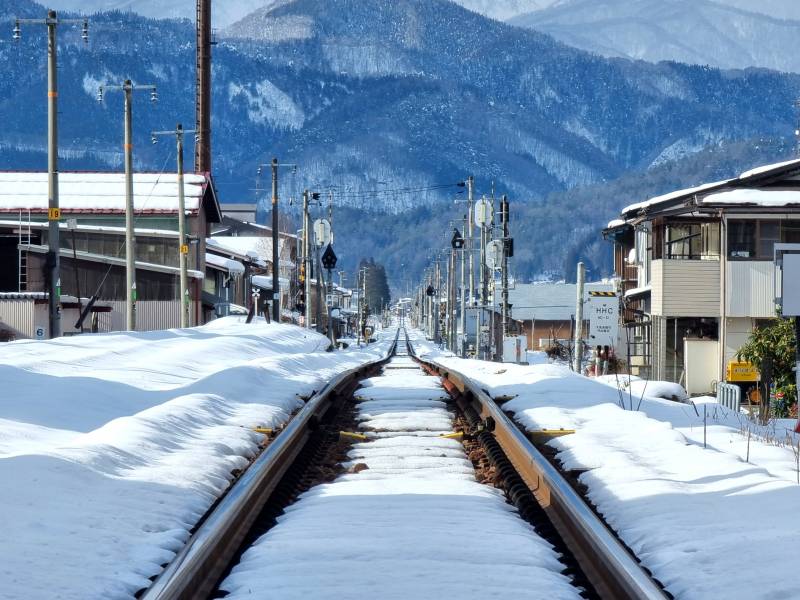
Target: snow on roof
{"x":755,"y":197}
{"x":258,"y":246}
{"x":100,"y":192}
{"x":233,"y":267}
{"x":767,"y":168}
{"x":265,"y":281}
{"x":672,"y":196}
{"x":615,"y":223}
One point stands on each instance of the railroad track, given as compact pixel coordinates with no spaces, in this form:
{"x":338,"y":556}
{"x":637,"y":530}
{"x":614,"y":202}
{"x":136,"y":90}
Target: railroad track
{"x":402,"y":451}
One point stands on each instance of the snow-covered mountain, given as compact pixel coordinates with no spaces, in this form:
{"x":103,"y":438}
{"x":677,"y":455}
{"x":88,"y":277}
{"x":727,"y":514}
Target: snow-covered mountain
{"x":376,"y":97}
{"x":690,"y":31}
{"x":503,"y":10}
{"x":224,"y":12}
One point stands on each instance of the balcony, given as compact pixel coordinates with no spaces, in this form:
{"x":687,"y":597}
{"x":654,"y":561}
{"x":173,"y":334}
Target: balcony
{"x":688,"y":288}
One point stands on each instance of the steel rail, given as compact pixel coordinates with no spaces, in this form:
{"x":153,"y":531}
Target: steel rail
{"x":197,"y":568}
{"x":609,"y":566}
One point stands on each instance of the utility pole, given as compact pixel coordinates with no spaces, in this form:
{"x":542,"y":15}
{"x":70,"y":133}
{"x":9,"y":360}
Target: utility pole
{"x":578,"y":357}
{"x":470,"y":245}
{"x":127,"y":89}
{"x":183,"y":246}
{"x":504,"y":215}
{"x":53,"y":261}
{"x":462,"y":352}
{"x":276,"y":285}
{"x":202,"y":150}
{"x":306,"y":260}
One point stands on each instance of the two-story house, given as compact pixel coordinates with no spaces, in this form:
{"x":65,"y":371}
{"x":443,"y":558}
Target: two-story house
{"x":696,"y":269}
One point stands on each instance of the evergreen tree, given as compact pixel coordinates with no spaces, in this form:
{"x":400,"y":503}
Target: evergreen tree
{"x":377,"y":285}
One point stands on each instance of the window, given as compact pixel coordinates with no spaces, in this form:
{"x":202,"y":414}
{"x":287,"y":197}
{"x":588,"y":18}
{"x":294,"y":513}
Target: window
{"x":756,"y":239}
{"x":741,"y":239}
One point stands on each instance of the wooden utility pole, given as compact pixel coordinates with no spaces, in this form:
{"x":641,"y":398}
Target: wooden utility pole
{"x":202,"y":149}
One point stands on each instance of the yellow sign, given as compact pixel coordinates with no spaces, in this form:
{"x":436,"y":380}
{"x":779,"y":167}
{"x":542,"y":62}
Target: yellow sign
{"x":741,"y":371}
{"x":54,"y":214}
{"x":184,"y":248}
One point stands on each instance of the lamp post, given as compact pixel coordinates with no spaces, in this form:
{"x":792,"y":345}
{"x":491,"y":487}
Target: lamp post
{"x":53,"y":210}
{"x":183,"y":247}
{"x":127,"y":88}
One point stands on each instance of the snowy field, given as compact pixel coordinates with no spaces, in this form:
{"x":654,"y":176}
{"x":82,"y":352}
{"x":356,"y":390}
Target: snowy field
{"x":706,"y":522}
{"x":112,"y":446}
{"x":413,"y":524}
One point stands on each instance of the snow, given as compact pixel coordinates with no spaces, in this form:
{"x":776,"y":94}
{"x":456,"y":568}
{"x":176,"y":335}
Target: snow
{"x":767,"y":168}
{"x":87,"y":192}
{"x":613,"y":224}
{"x":671,"y":196}
{"x":265,"y":281}
{"x":113,"y":445}
{"x":234,"y":267}
{"x":394,"y":530}
{"x":755,"y":197}
{"x":685,"y":510}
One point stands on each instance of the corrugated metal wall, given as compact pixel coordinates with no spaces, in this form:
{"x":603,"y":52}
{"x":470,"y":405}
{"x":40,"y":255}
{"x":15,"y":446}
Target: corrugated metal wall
{"x":750,"y":289}
{"x":19,"y":315}
{"x":151,"y":315}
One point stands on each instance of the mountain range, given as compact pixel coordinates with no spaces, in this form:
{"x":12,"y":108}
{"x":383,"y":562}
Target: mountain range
{"x":691,"y":31}
{"x":389,"y":103}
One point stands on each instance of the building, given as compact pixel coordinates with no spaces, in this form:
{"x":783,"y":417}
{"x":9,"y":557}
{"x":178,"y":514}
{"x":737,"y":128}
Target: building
{"x":697,"y":273}
{"x":251,"y":268}
{"x":545,"y":312}
{"x":92,"y":243}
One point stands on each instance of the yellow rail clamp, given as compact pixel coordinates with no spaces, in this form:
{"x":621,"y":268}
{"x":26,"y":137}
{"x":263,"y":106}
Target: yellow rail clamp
{"x":456,"y":435}
{"x":552,"y":432}
{"x":352,"y":435}
{"x":265,"y":430}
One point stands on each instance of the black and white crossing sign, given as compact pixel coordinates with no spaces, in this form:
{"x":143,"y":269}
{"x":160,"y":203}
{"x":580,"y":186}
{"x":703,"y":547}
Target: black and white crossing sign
{"x":603,"y":318}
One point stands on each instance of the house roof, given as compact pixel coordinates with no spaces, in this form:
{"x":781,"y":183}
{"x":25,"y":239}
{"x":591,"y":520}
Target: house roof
{"x":104,"y":193}
{"x":548,"y":301}
{"x":750,"y":180}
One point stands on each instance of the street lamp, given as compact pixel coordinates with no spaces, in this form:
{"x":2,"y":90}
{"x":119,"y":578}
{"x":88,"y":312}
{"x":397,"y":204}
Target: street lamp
{"x":127,"y":88}
{"x":53,"y":210}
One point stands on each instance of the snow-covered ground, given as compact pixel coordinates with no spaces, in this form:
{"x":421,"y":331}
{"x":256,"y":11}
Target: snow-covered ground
{"x":112,"y":446}
{"x":409,"y":520}
{"x":705,"y":521}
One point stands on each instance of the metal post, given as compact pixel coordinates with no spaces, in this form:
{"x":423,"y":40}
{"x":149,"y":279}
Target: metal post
{"x":577,"y":359}
{"x":504,"y":211}
{"x":276,"y":287}
{"x":330,"y":309}
{"x":130,"y":239}
{"x":184,"y":296}
{"x":453,"y":308}
{"x":468,"y":242}
{"x":54,"y":212}
{"x":462,"y":352}
{"x":306,"y":260}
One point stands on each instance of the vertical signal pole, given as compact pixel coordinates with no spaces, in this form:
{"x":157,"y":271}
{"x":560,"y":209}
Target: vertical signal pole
{"x":306,"y":261}
{"x":184,"y":297}
{"x":276,"y":286}
{"x":504,"y":215}
{"x":53,"y":210}
{"x":127,"y":89}
{"x":470,"y":245}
